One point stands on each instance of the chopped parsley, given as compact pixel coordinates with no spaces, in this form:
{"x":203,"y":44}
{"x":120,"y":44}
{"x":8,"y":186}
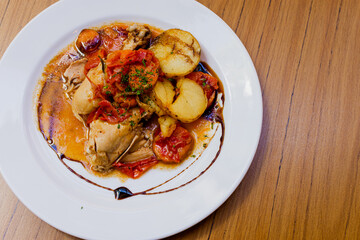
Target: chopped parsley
{"x":143,"y":62}
{"x":204,"y":145}
{"x":118,"y":126}
{"x":115,"y":74}
{"x":124,"y":78}
{"x":193,"y":156}
{"x":132,"y":123}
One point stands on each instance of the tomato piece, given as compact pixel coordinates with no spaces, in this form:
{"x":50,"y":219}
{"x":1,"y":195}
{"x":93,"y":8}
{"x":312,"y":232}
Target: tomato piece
{"x":138,"y":69}
{"x":125,"y":101}
{"x":208,"y":83}
{"x":125,"y":57}
{"x":174,"y":148}
{"x":136,"y":169}
{"x":108,"y":113}
{"x":142,"y":77}
{"x":94,"y":59}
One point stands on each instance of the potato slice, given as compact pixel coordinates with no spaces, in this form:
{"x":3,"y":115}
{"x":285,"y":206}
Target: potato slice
{"x":191,"y":102}
{"x":164,"y":93}
{"x":178,"y":52}
{"x":167,"y":125}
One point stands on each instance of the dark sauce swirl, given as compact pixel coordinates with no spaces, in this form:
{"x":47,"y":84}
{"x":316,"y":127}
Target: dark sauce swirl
{"x":212,"y":114}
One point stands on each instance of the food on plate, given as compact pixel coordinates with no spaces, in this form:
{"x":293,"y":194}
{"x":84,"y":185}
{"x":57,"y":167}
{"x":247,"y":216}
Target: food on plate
{"x":125,"y":97}
{"x":178,"y":52}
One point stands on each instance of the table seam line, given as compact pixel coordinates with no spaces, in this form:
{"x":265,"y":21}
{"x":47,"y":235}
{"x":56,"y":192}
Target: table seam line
{"x":11,"y":218}
{"x":212,"y":224}
{"x":241,"y":11}
{"x":2,"y":18}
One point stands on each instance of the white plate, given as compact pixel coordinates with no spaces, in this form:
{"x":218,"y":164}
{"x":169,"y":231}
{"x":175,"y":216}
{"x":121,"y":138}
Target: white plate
{"x":70,"y":204}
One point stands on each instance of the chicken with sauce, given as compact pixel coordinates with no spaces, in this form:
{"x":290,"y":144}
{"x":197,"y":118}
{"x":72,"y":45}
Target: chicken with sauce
{"x":119,"y":86}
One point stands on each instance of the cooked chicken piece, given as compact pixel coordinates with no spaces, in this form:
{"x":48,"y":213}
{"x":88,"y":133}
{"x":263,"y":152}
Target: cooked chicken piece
{"x":83,"y":101}
{"x":96,"y":75}
{"x":76,"y":70}
{"x":107,"y":142}
{"x":73,"y":76}
{"x":138,"y":36}
{"x":140,"y":143}
{"x":110,"y":142}
{"x":138,"y":155}
{"x":135,"y":117}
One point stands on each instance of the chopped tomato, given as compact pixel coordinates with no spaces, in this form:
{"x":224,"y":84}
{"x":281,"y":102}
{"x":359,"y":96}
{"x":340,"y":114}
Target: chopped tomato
{"x":125,"y":101}
{"x":108,"y":113}
{"x":137,"y":69}
{"x":94,"y":59}
{"x":126,"y":57}
{"x":208,"y":83}
{"x":142,"y":78}
{"x":173,"y":148}
{"x":136,"y":169}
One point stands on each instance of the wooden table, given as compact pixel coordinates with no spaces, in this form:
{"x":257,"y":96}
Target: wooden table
{"x":304,"y":182}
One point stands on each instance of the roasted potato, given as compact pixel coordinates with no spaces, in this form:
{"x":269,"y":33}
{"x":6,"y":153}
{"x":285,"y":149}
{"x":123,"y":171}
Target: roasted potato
{"x":167,"y":125}
{"x":178,"y":52}
{"x":149,"y":105}
{"x":164,"y":93}
{"x":189,"y":104}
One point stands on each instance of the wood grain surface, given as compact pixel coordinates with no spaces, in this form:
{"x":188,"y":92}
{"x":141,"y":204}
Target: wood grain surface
{"x":304,"y":181}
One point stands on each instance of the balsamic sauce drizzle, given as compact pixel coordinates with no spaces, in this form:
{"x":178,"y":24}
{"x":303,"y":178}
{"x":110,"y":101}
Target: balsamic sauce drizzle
{"x":212,"y":114}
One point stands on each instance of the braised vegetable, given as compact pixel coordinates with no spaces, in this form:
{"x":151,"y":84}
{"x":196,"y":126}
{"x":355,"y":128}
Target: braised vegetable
{"x":174,"y":148}
{"x":167,"y":125}
{"x":164,"y":93}
{"x":178,"y":52}
{"x":88,"y":41}
{"x":208,"y":83}
{"x":188,"y":105}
